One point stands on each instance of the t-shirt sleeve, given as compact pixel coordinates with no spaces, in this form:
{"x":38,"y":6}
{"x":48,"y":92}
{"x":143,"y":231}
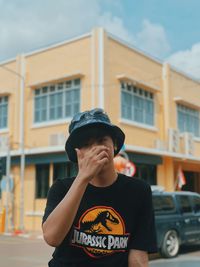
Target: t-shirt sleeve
{"x":55,"y":194}
{"x":144,"y":236}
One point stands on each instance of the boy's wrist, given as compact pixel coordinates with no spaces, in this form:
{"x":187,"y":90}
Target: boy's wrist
{"x":82,"y":179}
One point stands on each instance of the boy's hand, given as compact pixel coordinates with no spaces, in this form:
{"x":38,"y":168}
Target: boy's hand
{"x":91,"y":161}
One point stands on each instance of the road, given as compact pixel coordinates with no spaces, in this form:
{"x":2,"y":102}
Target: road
{"x":188,"y":257}
{"x":23,"y":252}
{"x":33,"y":252}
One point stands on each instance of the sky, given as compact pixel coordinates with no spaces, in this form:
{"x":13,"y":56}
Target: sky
{"x":168,"y":30}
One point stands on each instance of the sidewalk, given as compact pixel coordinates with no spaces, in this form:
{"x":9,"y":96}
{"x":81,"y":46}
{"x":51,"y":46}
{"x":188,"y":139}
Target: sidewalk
{"x":24,"y":250}
{"x":24,"y":234}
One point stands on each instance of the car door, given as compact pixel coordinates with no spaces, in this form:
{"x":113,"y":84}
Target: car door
{"x":196,"y":206}
{"x":188,"y":219}
{"x":165,"y":215}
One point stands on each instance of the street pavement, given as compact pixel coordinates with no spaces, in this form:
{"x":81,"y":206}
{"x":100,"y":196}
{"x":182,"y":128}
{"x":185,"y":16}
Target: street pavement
{"x":188,"y":257}
{"x":180,"y":261}
{"x":23,"y":252}
{"x":32,"y":251}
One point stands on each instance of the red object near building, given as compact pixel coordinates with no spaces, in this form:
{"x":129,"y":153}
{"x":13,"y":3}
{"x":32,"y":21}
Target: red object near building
{"x":123,"y":165}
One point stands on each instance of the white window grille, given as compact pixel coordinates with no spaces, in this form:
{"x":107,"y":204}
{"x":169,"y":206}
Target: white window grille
{"x":137,"y":104}
{"x":57,"y":101}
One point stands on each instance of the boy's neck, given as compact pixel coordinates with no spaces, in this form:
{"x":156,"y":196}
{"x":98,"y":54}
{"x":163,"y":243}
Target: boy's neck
{"x":105,"y":178}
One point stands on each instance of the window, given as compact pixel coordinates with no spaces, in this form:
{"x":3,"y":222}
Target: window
{"x":163,"y":204}
{"x":137,"y":104}
{"x":61,"y":170}
{"x":184,"y":203}
{"x":188,"y":120}
{"x":64,"y":170}
{"x":146,"y":172}
{"x":2,"y":170}
{"x":3,"y":112}
{"x":196,"y":201}
{"x":57,"y":101}
{"x":42,"y":180}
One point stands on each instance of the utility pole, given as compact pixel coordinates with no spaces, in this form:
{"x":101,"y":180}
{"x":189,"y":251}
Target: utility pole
{"x":7,"y":183}
{"x":22,"y":160}
{"x":20,"y":75}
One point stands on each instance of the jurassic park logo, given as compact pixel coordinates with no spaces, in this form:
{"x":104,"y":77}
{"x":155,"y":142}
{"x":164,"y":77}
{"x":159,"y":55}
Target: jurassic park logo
{"x":100,"y":232}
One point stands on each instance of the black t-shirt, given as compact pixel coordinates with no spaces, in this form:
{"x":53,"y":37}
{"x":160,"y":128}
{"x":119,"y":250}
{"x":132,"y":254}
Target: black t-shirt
{"x":110,"y":221}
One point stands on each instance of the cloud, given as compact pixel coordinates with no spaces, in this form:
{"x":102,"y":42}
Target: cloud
{"x":153,"y":39}
{"x":187,"y":60}
{"x":115,"y":26}
{"x":28,"y":25}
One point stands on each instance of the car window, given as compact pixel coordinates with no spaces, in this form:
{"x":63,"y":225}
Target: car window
{"x":184,"y":203}
{"x":163,"y":204}
{"x":196,"y":202}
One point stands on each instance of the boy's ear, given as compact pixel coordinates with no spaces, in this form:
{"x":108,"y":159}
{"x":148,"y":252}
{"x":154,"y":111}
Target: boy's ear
{"x":115,"y":145}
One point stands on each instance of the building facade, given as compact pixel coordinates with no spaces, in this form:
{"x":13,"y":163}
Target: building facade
{"x":157,"y":106}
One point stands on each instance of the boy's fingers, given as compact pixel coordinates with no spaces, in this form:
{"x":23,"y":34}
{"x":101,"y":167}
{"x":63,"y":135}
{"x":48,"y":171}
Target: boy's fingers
{"x":102,"y":154}
{"x":77,"y":153}
{"x":99,"y":149}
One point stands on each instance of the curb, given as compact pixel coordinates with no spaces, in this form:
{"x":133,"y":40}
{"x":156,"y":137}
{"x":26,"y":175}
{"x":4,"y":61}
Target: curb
{"x":24,"y":235}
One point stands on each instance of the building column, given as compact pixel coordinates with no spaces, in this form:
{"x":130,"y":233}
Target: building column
{"x":165,"y":174}
{"x":51,"y":174}
{"x":166,"y":95}
{"x":97,"y":68}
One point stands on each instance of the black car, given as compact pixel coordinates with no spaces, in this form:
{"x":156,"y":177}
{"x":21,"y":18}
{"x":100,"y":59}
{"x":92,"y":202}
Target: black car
{"x":177,"y":219}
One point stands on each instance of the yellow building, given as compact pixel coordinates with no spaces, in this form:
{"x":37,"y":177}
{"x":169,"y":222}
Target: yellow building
{"x":157,"y":106}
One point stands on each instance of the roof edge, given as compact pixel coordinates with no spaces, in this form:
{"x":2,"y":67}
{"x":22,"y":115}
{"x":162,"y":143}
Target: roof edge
{"x":58,"y":44}
{"x":52,"y":46}
{"x":132,"y":47}
{"x":7,"y":61}
{"x":189,"y":76}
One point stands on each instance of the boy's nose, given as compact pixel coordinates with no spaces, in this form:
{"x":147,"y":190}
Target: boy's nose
{"x":96,"y":143}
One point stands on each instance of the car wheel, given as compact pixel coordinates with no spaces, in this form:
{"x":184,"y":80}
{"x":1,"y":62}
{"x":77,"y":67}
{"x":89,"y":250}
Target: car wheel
{"x":170,"y":245}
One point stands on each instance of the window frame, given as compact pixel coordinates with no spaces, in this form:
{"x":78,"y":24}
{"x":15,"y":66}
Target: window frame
{"x":74,"y":88}
{"x":4,"y":102}
{"x":191,"y":117}
{"x":38,"y":193}
{"x":144,"y":94}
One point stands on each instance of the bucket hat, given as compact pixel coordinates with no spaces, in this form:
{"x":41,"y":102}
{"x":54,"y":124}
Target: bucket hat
{"x":84,"y":122}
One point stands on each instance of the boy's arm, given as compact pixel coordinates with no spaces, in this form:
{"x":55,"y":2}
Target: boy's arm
{"x":137,"y":258}
{"x":60,"y":220}
{"x":58,"y":223}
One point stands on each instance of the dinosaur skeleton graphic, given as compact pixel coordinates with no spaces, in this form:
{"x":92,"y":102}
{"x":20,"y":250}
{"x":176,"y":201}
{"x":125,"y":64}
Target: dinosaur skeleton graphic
{"x":102,"y":219}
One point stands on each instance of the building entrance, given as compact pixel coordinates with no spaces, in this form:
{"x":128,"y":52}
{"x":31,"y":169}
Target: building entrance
{"x":192,"y":182}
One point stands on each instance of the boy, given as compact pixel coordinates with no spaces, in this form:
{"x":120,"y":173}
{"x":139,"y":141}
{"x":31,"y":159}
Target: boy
{"x":100,"y":218}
